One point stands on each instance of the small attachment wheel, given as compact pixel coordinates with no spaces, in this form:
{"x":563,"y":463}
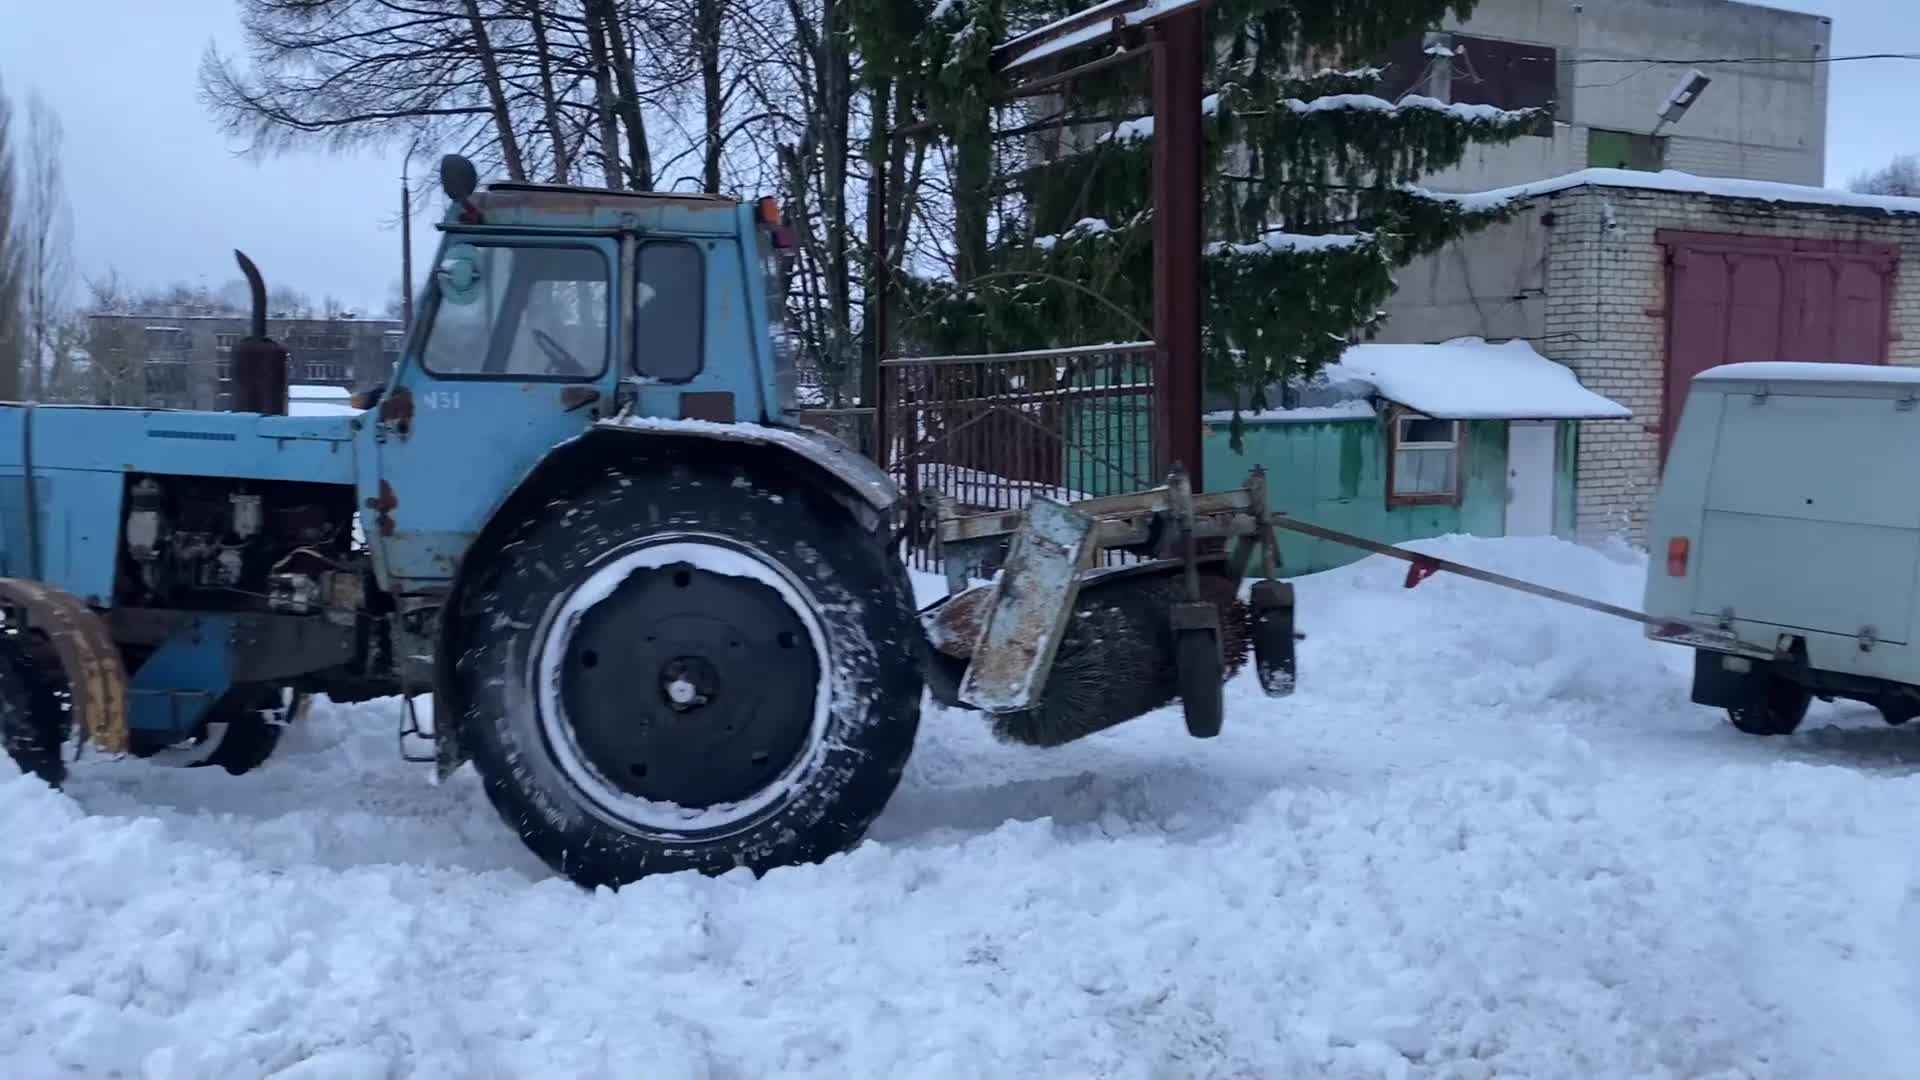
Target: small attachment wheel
{"x":1777,"y":710}
{"x":1274,"y":655}
{"x":1199,"y":668}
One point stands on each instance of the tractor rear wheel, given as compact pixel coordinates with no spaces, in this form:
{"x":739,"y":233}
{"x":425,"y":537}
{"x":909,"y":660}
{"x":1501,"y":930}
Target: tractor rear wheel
{"x":693,"y":668}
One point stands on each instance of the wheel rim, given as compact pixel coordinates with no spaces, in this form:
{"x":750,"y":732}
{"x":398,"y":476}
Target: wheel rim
{"x":683,"y":685}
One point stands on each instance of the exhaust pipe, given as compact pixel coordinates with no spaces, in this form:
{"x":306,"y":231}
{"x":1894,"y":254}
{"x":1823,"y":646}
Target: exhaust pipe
{"x":259,"y":363}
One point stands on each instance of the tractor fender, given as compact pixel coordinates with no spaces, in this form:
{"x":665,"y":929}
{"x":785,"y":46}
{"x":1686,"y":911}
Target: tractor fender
{"x":855,"y":481}
{"x":96,"y":678}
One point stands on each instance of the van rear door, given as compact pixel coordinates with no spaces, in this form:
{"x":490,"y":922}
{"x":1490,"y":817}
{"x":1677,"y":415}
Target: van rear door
{"x":1812,"y":517}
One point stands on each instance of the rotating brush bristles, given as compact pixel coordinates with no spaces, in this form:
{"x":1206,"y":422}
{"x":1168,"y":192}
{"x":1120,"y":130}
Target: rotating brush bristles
{"x":1116,"y":660}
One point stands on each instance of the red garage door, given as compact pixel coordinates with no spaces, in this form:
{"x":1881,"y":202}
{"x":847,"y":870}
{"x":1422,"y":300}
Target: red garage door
{"x":1735,"y":298}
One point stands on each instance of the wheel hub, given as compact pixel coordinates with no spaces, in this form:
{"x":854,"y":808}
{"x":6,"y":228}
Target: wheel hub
{"x":688,"y":686}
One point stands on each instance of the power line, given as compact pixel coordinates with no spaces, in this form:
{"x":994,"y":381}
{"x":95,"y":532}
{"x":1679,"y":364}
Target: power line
{"x":1740,"y":59}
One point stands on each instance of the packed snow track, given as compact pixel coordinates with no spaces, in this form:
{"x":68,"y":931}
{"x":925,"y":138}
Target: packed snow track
{"x":1489,"y":837}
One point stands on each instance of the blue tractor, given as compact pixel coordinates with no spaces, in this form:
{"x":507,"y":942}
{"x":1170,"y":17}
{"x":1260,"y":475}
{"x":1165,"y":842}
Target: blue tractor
{"x":668,"y":626}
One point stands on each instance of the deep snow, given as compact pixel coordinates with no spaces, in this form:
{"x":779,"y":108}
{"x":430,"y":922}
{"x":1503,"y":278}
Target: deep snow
{"x":1489,"y":836}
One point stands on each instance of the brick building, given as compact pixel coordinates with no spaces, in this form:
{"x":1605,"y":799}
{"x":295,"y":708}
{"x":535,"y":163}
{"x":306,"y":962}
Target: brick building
{"x":1638,"y":281}
{"x":183,"y":362}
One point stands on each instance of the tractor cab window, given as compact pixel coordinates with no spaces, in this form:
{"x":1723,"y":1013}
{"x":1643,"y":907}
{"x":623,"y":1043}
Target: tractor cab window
{"x":670,"y":311}
{"x":519,"y":312}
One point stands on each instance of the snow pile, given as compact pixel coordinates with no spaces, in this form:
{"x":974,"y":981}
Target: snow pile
{"x":1488,"y":837}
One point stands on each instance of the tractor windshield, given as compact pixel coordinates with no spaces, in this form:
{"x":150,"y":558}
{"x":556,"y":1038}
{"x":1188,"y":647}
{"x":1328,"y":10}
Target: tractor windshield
{"x":519,"y":310}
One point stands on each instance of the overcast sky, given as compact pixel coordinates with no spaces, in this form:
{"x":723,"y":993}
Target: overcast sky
{"x":159,"y":194}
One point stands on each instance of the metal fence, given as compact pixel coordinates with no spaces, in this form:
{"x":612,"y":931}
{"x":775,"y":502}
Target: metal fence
{"x":989,"y":432}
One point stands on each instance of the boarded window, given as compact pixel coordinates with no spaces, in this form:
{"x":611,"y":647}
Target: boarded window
{"x":1426,"y":460}
{"x":1625,"y":150}
{"x":1469,"y":70}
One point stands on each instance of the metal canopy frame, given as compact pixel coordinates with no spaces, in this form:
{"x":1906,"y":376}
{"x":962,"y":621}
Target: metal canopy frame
{"x":1170,"y":34}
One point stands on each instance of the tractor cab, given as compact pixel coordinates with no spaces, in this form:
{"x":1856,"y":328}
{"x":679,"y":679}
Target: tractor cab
{"x":551,"y":308}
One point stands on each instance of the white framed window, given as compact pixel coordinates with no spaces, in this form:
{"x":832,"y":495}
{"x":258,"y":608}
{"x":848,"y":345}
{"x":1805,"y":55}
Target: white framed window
{"x":1424,"y":466}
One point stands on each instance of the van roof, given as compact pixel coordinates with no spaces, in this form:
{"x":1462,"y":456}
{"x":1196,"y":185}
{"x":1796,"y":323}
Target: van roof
{"x":1783,"y":371}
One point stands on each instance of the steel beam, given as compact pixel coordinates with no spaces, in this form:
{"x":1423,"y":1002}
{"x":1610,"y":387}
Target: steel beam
{"x":1178,"y":67}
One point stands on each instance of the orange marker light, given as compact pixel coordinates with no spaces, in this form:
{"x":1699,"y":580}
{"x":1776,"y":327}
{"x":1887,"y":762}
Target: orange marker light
{"x":1677,"y":557}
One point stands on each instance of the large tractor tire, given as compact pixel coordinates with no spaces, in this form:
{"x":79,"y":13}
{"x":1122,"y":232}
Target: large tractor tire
{"x":34,"y":725}
{"x":687,"y":666}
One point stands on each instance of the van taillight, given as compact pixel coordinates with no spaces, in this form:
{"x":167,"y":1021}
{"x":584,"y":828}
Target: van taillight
{"x":1677,"y":557}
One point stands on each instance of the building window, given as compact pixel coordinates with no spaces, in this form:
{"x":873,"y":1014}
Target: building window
{"x":1625,"y":150}
{"x":225,"y":342}
{"x":1462,"y":69}
{"x":390,"y":341}
{"x":1424,"y":466}
{"x":322,"y":371}
{"x":166,"y":339}
{"x":166,"y":377}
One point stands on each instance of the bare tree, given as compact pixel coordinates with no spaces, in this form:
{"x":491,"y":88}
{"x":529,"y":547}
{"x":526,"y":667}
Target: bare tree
{"x":13,"y":334}
{"x":46,"y":229}
{"x":1900,"y":177}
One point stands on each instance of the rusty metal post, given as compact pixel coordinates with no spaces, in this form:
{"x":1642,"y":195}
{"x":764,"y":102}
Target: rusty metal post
{"x":879,"y":298}
{"x":1178,"y":67}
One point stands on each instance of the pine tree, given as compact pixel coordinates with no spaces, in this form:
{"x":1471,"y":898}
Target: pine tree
{"x":1310,"y":175}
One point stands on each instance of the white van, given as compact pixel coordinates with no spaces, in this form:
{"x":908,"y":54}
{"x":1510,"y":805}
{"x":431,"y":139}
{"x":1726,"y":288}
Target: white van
{"x":1785,"y":542}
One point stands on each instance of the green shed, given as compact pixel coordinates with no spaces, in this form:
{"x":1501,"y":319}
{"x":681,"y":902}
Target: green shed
{"x":1401,"y":442}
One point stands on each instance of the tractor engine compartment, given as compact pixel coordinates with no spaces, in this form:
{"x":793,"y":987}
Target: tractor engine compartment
{"x":275,"y":563}
{"x":218,"y":544}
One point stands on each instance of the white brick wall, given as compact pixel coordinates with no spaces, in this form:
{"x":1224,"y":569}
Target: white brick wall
{"x":1605,"y":316}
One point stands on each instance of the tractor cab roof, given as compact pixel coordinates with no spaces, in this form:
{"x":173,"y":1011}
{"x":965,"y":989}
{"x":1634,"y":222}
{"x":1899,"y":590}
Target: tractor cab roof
{"x":515,"y":203}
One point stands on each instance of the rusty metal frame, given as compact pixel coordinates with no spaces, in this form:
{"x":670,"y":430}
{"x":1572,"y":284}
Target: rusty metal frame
{"x":1173,"y":40}
{"x":96,"y":678}
{"x":1140,"y":520}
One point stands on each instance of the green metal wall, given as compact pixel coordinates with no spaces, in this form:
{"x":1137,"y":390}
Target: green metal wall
{"x":1109,"y":439}
{"x":1334,"y":473}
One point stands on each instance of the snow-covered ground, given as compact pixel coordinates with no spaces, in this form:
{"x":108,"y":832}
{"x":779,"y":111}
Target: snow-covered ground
{"x":1488,"y":837}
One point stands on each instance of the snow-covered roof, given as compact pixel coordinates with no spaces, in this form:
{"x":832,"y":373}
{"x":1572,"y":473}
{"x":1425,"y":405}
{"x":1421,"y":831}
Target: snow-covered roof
{"x":1470,"y":379}
{"x":310,"y":392}
{"x":311,"y":400}
{"x":1803,"y":371}
{"x":1686,"y":183}
{"x":1462,"y":379}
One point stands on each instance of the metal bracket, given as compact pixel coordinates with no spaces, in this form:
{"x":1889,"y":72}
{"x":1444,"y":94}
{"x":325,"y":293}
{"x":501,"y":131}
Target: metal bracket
{"x":1028,"y":611}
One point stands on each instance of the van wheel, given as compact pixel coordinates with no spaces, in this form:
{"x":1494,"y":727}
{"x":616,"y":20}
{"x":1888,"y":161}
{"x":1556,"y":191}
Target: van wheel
{"x":1777,"y":711}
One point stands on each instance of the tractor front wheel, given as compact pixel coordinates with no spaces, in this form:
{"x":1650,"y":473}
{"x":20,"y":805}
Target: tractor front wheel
{"x":690,"y":668}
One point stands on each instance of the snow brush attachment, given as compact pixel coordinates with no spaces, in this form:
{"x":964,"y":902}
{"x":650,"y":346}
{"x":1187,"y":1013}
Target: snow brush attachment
{"x":1116,"y":659}
{"x":1053,"y":651}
